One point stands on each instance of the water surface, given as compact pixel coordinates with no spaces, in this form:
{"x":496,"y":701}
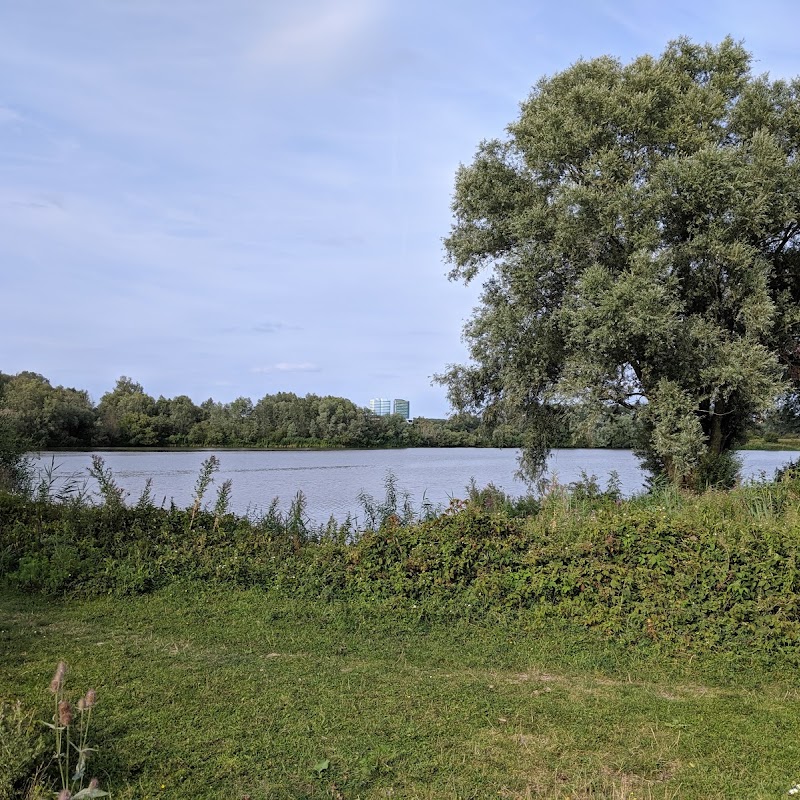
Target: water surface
{"x":333,"y":479}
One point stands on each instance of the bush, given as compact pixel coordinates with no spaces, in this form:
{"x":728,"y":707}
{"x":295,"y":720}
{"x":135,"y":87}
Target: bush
{"x":716,"y":569}
{"x":16,"y":470}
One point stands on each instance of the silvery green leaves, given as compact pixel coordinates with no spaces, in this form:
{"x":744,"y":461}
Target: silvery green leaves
{"x":640,"y":230}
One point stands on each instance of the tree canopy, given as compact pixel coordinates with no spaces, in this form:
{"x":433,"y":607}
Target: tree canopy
{"x":35,"y":415}
{"x":640,"y":226}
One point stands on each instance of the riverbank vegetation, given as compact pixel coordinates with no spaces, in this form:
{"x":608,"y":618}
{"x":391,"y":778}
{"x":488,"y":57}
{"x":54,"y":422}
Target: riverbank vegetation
{"x":711,"y":569}
{"x":41,"y":416}
{"x":572,"y":645}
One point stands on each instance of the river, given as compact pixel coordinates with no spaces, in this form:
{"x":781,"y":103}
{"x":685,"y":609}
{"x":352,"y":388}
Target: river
{"x":333,"y":479}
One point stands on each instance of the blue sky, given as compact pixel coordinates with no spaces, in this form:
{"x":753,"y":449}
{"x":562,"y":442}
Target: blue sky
{"x":241,"y":198}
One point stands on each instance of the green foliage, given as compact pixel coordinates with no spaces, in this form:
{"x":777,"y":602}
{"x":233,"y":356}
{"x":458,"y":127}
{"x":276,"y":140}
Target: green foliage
{"x":16,"y":472}
{"x":204,"y":480}
{"x":388,"y":513}
{"x":789,"y":472}
{"x":718,"y":569}
{"x":640,"y":226}
{"x":490,"y":498}
{"x":34,"y":412}
{"x":127,"y":416}
{"x":46,"y":416}
{"x":222,"y":504}
{"x":111,"y":492}
{"x":22,"y":751}
{"x":783,"y":419}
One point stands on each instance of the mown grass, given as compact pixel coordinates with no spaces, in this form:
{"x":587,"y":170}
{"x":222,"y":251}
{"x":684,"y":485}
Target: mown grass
{"x":781,"y":443}
{"x":227,"y":692}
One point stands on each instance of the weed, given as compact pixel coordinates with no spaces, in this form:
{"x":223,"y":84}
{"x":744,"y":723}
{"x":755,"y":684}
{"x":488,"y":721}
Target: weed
{"x":379,"y":515}
{"x":204,"y":480}
{"x":145,"y":500}
{"x":49,"y":486}
{"x":223,"y":502}
{"x":22,"y":749}
{"x":71,"y":738}
{"x":112,"y":493}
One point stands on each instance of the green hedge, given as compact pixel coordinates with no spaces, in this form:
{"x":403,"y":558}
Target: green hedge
{"x":710,"y":570}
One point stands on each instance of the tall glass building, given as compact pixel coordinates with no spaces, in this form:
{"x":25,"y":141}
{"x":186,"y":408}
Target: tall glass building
{"x":403,"y":408}
{"x":380,"y":406}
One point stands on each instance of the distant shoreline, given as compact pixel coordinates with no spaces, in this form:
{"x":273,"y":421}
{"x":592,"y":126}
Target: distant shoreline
{"x":787,"y":446}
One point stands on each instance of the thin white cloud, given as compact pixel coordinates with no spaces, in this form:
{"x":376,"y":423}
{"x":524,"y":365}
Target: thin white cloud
{"x":285,"y":366}
{"x":8,"y":115}
{"x":270,"y":326}
{"x":637,"y":25}
{"x":316,"y":37}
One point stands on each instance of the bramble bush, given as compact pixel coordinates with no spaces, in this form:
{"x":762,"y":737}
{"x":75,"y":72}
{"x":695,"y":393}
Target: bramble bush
{"x":714,"y":569}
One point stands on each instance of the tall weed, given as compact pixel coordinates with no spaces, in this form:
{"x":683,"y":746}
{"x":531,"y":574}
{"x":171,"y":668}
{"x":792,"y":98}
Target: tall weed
{"x":112,"y":493}
{"x":378,"y":515}
{"x":204,"y":480}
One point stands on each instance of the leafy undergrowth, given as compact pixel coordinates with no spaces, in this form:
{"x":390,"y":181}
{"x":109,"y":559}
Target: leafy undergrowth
{"x":576,"y":646}
{"x":213,"y":692}
{"x":720,"y":570}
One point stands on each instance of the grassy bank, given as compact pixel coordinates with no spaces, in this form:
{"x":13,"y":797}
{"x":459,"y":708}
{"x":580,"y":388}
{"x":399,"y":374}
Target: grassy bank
{"x":714,"y":570}
{"x":781,"y":443}
{"x":224,"y":693}
{"x":576,"y":646}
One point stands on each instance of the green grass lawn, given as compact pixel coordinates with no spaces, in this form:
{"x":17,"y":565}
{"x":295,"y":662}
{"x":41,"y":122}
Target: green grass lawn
{"x":783,"y":443}
{"x":229,"y":693}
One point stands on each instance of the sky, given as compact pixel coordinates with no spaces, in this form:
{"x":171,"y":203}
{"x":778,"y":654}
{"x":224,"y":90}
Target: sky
{"x":241,"y":198}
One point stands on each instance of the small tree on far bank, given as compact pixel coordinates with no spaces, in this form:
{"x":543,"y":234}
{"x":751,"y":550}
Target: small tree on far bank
{"x":16,"y":471}
{"x":640,"y":225}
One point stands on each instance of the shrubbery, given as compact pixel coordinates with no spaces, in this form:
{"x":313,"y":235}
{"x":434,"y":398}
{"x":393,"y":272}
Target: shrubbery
{"x":711,"y":569}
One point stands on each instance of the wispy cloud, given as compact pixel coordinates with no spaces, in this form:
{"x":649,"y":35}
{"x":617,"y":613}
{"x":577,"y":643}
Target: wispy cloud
{"x":8,"y":115}
{"x":285,"y":366}
{"x":273,"y":327}
{"x":315,"y":38}
{"x":339,"y":241}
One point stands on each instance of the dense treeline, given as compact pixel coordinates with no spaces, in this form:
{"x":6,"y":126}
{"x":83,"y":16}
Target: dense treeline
{"x":45,"y":416}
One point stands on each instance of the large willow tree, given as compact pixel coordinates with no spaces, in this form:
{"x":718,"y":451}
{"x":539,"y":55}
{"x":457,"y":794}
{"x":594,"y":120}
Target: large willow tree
{"x":640,"y":227}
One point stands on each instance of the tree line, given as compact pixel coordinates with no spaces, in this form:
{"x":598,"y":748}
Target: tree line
{"x":42,"y":416}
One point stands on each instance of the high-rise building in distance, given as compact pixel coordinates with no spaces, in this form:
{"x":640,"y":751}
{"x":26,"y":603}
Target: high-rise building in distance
{"x":380,"y":406}
{"x":403,"y":408}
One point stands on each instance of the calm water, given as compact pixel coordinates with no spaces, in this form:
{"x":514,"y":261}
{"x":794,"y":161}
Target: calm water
{"x":332,"y":480}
